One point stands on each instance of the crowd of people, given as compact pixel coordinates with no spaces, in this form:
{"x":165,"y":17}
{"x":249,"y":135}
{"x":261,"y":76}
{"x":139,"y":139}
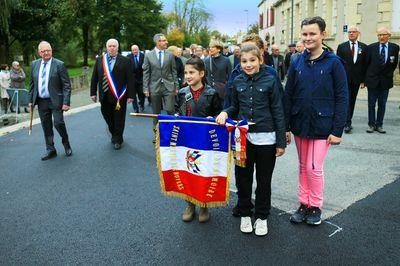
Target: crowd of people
{"x":11,"y":80}
{"x":315,"y":105}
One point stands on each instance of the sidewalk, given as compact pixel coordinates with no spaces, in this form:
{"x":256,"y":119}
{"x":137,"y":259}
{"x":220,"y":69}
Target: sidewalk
{"x":79,"y":99}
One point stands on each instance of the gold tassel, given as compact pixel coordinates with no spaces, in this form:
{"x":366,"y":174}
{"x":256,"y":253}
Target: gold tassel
{"x":118,"y":106}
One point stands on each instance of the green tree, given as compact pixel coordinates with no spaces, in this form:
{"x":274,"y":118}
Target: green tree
{"x":6,"y":9}
{"x":130,"y":21}
{"x":253,"y":28}
{"x":31,"y":22}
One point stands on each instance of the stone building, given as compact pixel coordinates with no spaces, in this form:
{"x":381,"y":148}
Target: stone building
{"x":275,"y":19}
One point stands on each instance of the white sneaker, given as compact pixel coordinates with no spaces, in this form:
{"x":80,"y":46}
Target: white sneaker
{"x":245,"y":225}
{"x":261,"y":227}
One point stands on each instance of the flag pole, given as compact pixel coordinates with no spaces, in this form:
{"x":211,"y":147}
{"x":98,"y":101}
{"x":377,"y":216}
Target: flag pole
{"x":155,"y":116}
{"x":143,"y":115}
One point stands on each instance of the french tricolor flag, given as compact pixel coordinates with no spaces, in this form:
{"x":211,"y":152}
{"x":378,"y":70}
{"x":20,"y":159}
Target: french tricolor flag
{"x":194,"y":159}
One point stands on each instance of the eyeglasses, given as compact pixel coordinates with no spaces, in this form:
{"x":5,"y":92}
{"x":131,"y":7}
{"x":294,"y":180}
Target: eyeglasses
{"x":383,"y":34}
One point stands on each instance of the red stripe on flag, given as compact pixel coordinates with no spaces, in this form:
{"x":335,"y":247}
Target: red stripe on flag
{"x":204,"y":189}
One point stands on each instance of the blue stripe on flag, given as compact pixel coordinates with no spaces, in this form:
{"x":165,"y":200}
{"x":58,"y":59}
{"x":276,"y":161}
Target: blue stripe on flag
{"x":184,"y":131}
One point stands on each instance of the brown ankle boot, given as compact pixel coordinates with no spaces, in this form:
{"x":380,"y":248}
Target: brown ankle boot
{"x":204,"y":215}
{"x":189,"y":213}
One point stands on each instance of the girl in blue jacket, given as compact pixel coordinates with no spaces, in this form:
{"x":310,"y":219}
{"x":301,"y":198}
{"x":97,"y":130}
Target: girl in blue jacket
{"x":316,"y":97}
{"x":257,"y":97}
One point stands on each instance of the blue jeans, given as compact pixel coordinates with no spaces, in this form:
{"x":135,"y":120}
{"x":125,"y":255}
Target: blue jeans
{"x":380,"y":95}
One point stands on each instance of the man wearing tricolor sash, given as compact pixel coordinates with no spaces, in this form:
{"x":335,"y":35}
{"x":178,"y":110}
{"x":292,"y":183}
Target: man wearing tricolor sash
{"x":113,"y":80}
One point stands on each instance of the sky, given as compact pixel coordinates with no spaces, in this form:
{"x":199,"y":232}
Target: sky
{"x":229,"y":16}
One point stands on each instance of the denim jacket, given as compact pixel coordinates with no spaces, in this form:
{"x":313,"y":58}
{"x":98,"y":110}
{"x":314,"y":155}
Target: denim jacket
{"x":258,"y":99}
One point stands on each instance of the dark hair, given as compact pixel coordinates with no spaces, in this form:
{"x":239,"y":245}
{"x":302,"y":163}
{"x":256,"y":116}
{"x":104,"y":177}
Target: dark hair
{"x":4,"y":66}
{"x":251,"y":48}
{"x":198,"y":64}
{"x":321,"y":25}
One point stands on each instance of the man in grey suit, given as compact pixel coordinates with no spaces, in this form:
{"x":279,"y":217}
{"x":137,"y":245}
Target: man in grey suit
{"x":50,"y":89}
{"x":160,"y":77}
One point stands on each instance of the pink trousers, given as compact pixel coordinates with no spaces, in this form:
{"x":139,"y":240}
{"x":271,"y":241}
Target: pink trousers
{"x":311,"y":153}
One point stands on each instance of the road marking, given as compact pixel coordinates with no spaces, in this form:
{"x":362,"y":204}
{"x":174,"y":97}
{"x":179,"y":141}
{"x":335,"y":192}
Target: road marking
{"x":338,"y":228}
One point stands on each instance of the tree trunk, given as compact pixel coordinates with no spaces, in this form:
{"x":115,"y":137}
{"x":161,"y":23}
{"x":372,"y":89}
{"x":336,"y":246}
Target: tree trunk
{"x":4,"y":50}
{"x":85,"y":37}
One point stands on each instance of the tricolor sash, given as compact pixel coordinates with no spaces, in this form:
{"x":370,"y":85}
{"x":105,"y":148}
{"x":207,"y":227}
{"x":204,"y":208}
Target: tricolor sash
{"x":110,"y":81}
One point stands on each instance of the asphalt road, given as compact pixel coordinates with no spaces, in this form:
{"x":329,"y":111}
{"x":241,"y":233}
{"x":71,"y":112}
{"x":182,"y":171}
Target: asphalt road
{"x":102,"y":206}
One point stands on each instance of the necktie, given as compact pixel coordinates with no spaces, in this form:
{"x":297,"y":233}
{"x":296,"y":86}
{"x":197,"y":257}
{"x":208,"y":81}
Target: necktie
{"x":43,"y":86}
{"x":383,"y":54}
{"x":352,"y":49}
{"x":136,"y":60}
{"x":159,"y":57}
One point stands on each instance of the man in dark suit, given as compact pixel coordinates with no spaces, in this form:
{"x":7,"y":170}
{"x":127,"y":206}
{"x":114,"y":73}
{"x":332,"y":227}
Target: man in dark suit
{"x":50,"y":89}
{"x":113,"y":80}
{"x":354,"y":54}
{"x":278,"y":62}
{"x":160,"y":77}
{"x":292,"y":51}
{"x":382,"y":60}
{"x":137,"y":58}
{"x":267,"y":56}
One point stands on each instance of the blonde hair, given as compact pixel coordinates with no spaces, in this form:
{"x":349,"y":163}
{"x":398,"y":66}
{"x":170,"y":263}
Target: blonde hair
{"x":216,"y":43}
{"x":254,"y":38}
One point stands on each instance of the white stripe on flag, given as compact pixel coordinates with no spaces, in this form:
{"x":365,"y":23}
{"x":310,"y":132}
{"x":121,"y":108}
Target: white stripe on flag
{"x":209,"y":163}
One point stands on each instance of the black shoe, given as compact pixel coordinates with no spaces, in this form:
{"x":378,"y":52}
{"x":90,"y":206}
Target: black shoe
{"x":49,"y":155}
{"x":300,"y":215}
{"x":313,"y":216}
{"x":68,"y":150}
{"x":236,"y":212}
{"x":347,"y":130}
{"x":117,"y":146}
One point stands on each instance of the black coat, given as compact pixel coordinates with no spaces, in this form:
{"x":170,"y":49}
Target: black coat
{"x":137,"y":67}
{"x":380,"y":76}
{"x":122,"y":73}
{"x":208,"y":103}
{"x":180,"y":71}
{"x":287,"y":59}
{"x":355,"y":71}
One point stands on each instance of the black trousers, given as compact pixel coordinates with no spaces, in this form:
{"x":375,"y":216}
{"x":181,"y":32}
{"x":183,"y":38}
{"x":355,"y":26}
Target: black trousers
{"x":263,"y":156}
{"x":140,"y":96}
{"x":353,"y":92}
{"x":115,"y":119}
{"x":47,"y":112}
